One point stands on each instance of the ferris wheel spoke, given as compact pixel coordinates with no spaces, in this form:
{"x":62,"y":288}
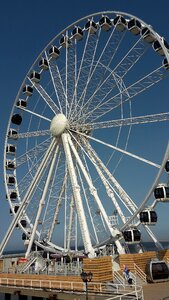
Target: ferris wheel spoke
{"x":73,"y":97}
{"x":57,"y":208}
{"x":131,"y":91}
{"x":35,"y":114}
{"x":31,"y":134}
{"x":131,"y":58}
{"x":40,"y":148}
{"x":130,"y":121}
{"x":46,"y":97}
{"x":27,"y":197}
{"x":83,"y":60}
{"x":42,"y":200}
{"x":130,"y":203}
{"x":122,"y":151}
{"x":86,"y":65}
{"x":48,"y":216}
{"x":57,"y":82}
{"x":91,"y":67}
{"x":25,"y":181}
{"x":71,"y":57}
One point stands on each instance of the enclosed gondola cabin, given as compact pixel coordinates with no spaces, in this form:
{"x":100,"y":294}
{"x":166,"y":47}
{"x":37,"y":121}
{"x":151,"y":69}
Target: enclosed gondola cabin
{"x":10,"y":165}
{"x":43,"y":64}
{"x":54,"y":52}
{"x":147,"y":35}
{"x":105,"y":23}
{"x":10,"y":149}
{"x":23,"y":223}
{"x":91,"y":27}
{"x":165,"y":64}
{"x":12,"y":133}
{"x":16,"y":119}
{"x":161,"y":193}
{"x":77,"y":33}
{"x":148,"y":217}
{"x":167,"y":166}
{"x":15,"y":209}
{"x":134,"y":26}
{"x":65,"y":42}
{"x":35,"y":77}
{"x":28,"y":90}
{"x":13,"y":195}
{"x":132,"y":236}
{"x":21,"y":103}
{"x":10,"y":180}
{"x":120,"y":23}
{"x":157,"y":271}
{"x":158,"y":48}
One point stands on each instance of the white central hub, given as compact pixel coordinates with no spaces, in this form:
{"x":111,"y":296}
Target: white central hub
{"x":58,"y":125}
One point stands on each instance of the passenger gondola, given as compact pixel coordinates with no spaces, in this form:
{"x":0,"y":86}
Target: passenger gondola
{"x":13,"y":195}
{"x":158,"y":48}
{"x":23,"y":223}
{"x":10,"y":180}
{"x":161,"y":192}
{"x":134,"y":26}
{"x":15,"y":208}
{"x":120,"y":23}
{"x":28,"y":90}
{"x":54,"y":52}
{"x":10,"y":164}
{"x":16,"y":119}
{"x":10,"y":149}
{"x":91,"y":27}
{"x":77,"y":33}
{"x":35,"y":77}
{"x":105,"y":23}
{"x":43,"y":64}
{"x":65,"y":42}
{"x":165,"y":63}
{"x":21,"y":103}
{"x":148,"y":217}
{"x":12,"y":133}
{"x":147,"y":35}
{"x":132,"y":236}
{"x":157,"y":270}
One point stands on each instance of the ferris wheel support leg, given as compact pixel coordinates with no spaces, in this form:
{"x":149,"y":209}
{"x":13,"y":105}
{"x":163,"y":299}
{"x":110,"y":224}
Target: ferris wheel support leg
{"x":42,"y":200}
{"x":78,"y":201}
{"x":70,"y":223}
{"x":25,"y":200}
{"x":113,"y":231}
{"x":57,"y":209}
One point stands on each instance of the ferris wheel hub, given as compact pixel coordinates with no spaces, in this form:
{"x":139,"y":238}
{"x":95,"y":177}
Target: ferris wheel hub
{"x":58,"y":124}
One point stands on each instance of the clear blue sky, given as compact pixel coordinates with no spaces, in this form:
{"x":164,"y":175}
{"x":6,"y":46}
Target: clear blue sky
{"x":25,"y":29}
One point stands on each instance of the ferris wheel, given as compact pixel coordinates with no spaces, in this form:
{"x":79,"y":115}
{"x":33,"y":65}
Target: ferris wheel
{"x":86,"y":138}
